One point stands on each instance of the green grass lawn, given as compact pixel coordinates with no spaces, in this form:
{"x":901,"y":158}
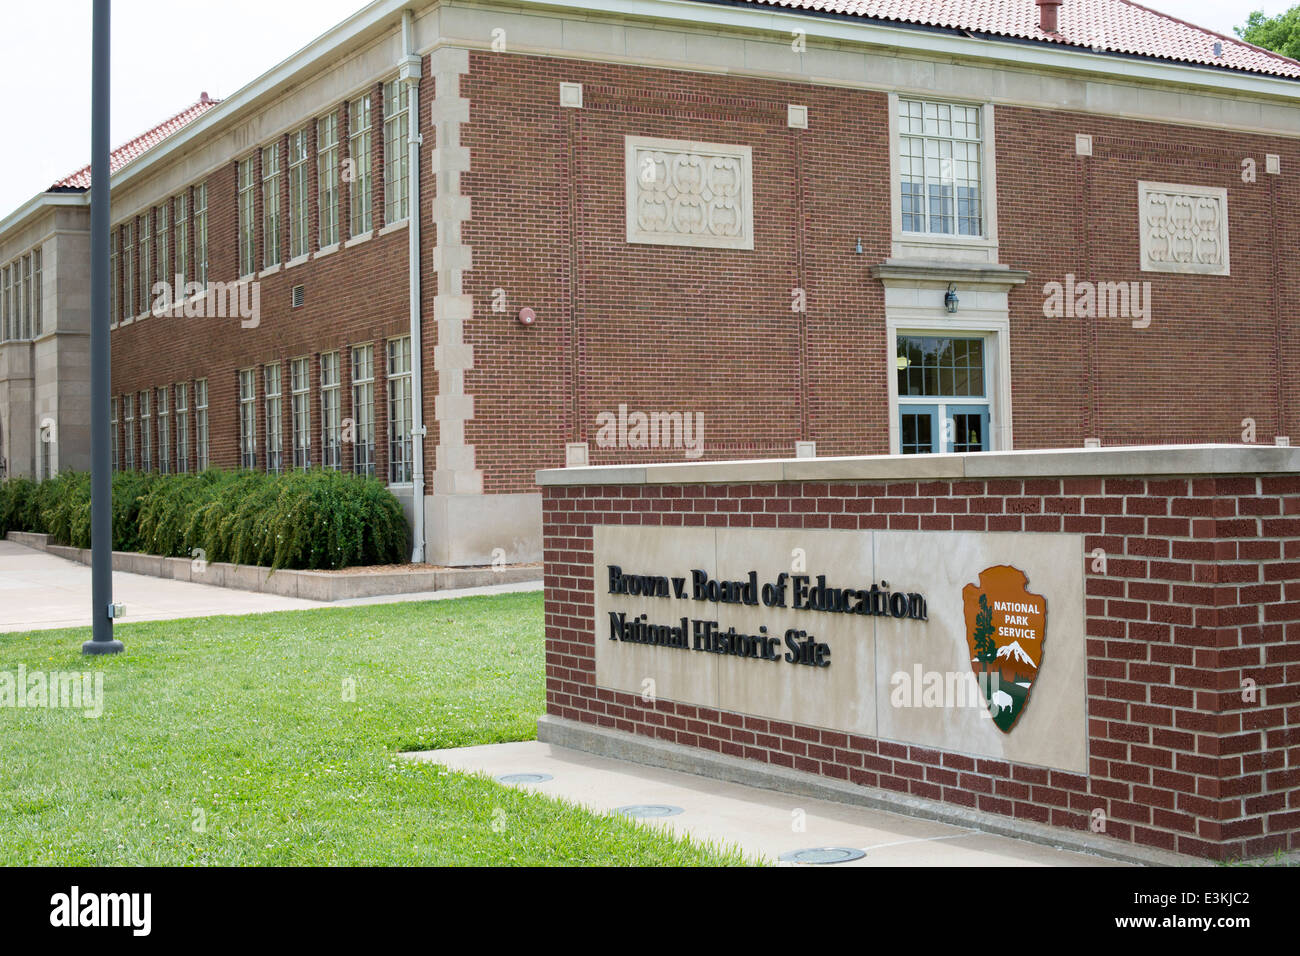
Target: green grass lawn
{"x":229,"y":741}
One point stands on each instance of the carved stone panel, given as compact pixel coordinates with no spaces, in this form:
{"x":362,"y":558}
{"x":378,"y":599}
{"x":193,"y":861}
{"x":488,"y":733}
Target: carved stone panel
{"x":1183,"y":228}
{"x":681,"y":193}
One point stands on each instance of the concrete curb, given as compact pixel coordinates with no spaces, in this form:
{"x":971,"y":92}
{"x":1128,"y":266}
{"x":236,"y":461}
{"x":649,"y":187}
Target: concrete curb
{"x":327,"y":586}
{"x":605,"y":742}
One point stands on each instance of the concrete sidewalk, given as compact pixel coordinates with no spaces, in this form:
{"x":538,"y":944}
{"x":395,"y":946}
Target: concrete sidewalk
{"x":761,"y":822}
{"x":39,"y":591}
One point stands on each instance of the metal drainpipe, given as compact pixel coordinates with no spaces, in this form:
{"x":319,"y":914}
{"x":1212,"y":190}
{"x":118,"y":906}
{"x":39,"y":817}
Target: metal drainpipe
{"x":414,"y":140}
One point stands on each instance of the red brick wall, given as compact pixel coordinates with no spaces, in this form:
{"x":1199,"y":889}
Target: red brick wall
{"x":1201,"y":592}
{"x":354,"y":296}
{"x":663,"y":328}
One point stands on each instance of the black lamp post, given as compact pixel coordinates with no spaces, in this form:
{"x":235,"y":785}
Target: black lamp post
{"x":101,"y":482}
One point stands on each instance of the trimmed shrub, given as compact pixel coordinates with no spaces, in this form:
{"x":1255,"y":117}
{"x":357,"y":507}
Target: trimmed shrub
{"x":16,"y":495}
{"x":65,"y":508}
{"x":316,"y":519}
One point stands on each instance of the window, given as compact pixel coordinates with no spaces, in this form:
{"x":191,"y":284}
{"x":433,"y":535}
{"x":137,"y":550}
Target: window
{"x":327,"y":178}
{"x":128,"y":272}
{"x":298,"y":194}
{"x":359,"y":153}
{"x":300,"y":385}
{"x":399,"y":410}
{"x":274,"y":418}
{"x":201,"y":423}
{"x":35,"y":262}
{"x":395,"y":155}
{"x":271,"y":206}
{"x":164,"y":431}
{"x":5,"y":290}
{"x":363,"y":409}
{"x":47,"y":447}
{"x":943,"y":397}
{"x":182,"y":241}
{"x":113,"y":433}
{"x":27,"y":296}
{"x":145,"y":265}
{"x":182,"y":428}
{"x":128,"y":421}
{"x":146,"y":433}
{"x":201,"y":234}
{"x":162,"y":247}
{"x":113,"y":277}
{"x":246,"y":208}
{"x":940,"y":163}
{"x":247,"y":419}
{"x":330,"y":412}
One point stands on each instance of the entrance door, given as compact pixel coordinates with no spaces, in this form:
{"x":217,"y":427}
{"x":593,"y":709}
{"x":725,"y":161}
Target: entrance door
{"x":943,"y":403}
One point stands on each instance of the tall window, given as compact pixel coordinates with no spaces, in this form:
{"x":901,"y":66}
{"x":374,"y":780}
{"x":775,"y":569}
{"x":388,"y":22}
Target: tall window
{"x":47,"y":449}
{"x":201,"y":234}
{"x":5,"y":295}
{"x":113,"y":277}
{"x":164,"y":431}
{"x":182,"y":428}
{"x":247,"y":419}
{"x":300,"y":385}
{"x":145,"y":265}
{"x":359,"y":153}
{"x":331,"y":412}
{"x":298,"y":194}
{"x":363,"y":409}
{"x":399,"y":410}
{"x":163,"y":246}
{"x":271,"y":206}
{"x":201,"y":423}
{"x":37,"y":324}
{"x":274,"y":419}
{"x":128,"y":271}
{"x":939,"y":168}
{"x":327,"y":177}
{"x":146,"y":433}
{"x":395,"y":156}
{"x":128,"y":430}
{"x":246,"y":207}
{"x":26,"y":263}
{"x":182,"y":241}
{"x":113,"y":433}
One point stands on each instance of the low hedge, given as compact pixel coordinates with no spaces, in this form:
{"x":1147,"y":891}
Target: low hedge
{"x":317,"y":519}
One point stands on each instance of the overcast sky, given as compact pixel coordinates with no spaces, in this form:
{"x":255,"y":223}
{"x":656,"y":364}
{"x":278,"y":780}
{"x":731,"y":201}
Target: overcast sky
{"x":166,"y":52}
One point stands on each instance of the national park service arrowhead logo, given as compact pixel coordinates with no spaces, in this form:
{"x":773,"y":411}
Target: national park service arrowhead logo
{"x":1005,"y":629}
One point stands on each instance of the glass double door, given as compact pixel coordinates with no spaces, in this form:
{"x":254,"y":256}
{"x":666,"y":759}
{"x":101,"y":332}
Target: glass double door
{"x":943,"y":403}
{"x":930,"y":429}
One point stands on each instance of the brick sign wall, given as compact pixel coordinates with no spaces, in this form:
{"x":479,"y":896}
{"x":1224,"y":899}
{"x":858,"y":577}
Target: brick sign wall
{"x":1192,"y":628}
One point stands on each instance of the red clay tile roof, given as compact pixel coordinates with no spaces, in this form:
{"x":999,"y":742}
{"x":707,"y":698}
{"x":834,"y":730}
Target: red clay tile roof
{"x":1113,"y":26}
{"x":137,"y":147}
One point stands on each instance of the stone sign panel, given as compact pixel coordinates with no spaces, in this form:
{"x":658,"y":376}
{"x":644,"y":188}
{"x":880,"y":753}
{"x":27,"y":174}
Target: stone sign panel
{"x":929,"y":638}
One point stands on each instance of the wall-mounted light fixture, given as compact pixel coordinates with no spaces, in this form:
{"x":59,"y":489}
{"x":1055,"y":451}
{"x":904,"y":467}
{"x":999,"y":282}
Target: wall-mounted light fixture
{"x":950,"y":298}
{"x":859,"y":249}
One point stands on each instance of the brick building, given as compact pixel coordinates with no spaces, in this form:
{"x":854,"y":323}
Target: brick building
{"x":679,"y":229}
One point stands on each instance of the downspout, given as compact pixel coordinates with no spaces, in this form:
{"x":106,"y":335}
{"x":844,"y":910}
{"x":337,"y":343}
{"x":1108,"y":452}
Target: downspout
{"x":410,"y":75}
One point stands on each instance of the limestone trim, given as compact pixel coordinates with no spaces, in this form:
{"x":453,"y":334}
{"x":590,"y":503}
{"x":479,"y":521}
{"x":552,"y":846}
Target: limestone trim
{"x":1070,"y":462}
{"x":1183,"y":229}
{"x":455,"y":470}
